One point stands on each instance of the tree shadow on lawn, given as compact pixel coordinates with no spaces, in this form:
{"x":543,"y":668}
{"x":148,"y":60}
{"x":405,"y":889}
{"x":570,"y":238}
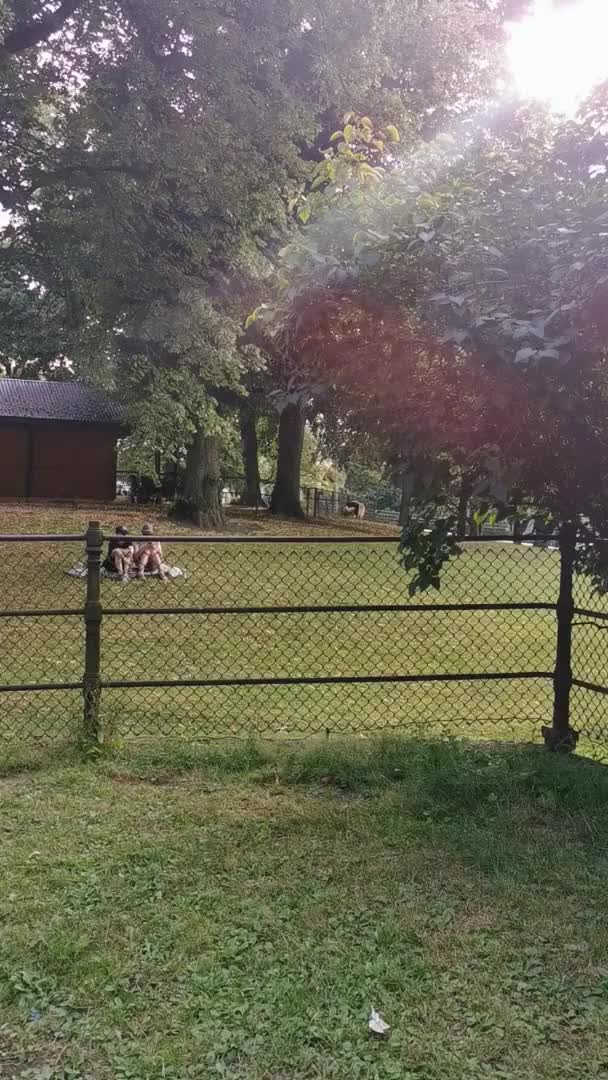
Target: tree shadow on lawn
{"x":505,"y":808}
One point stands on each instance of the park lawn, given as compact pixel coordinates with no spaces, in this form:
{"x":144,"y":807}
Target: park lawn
{"x":49,"y":648}
{"x":237,"y":914}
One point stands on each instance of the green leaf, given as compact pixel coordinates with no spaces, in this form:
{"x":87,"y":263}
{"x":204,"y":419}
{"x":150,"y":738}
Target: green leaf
{"x":336,"y":135}
{"x":392,"y":133}
{"x":426,"y":202}
{"x":304,"y":215}
{"x":486,"y":515}
{"x":257,"y":312}
{"x":366,"y":172}
{"x":349,"y":131}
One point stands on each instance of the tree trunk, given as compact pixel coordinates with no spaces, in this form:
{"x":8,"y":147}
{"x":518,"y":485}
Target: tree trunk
{"x":202,"y":483}
{"x":252,"y":495}
{"x":463,"y":508}
{"x":286,"y":493}
{"x":407,"y":490}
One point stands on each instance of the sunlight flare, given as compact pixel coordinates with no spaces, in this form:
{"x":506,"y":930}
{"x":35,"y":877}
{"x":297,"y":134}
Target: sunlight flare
{"x":559,"y":54}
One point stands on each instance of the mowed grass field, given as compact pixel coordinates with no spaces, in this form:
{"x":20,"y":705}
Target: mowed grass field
{"x":49,"y":648}
{"x":237,"y":913}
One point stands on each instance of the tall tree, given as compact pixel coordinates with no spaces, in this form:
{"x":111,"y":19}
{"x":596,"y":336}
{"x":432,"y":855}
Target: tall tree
{"x":332,"y":209}
{"x":252,"y":493}
{"x":467,"y":307}
{"x":145,"y":149}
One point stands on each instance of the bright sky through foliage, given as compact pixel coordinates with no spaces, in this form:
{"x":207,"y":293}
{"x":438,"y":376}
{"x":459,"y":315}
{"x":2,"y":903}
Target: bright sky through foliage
{"x":559,"y":53}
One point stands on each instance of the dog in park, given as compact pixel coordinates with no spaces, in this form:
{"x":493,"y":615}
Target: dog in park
{"x":354,"y":509}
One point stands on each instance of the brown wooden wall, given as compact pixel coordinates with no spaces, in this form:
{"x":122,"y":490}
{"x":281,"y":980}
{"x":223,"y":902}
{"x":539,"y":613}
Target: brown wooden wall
{"x":13,"y":461}
{"x":62,"y":462}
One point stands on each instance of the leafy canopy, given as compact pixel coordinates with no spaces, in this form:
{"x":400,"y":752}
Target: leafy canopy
{"x":150,"y":151}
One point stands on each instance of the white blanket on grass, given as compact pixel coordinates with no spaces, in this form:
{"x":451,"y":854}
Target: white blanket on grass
{"x":80,"y":571}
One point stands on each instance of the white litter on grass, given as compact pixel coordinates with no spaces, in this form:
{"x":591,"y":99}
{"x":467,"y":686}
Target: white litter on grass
{"x":377,"y":1025}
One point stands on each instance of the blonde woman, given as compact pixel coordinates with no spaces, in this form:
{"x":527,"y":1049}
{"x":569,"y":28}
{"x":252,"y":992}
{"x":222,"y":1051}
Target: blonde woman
{"x":149,"y":555}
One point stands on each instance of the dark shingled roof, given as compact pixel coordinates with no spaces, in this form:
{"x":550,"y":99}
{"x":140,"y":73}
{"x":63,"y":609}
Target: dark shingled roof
{"x":33,"y":399}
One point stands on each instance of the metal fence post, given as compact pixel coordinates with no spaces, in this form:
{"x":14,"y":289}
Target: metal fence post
{"x":560,"y":736}
{"x":92,"y":619}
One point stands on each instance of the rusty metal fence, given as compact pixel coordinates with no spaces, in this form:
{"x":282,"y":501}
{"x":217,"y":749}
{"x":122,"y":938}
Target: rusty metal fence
{"x":276,"y":637}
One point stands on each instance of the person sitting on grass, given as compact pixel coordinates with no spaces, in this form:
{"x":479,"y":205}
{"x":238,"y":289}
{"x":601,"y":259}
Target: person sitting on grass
{"x":149,"y":555}
{"x":121,"y":550}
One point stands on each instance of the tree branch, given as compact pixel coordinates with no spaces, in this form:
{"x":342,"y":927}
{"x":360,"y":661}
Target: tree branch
{"x":24,"y":35}
{"x":91,"y":170}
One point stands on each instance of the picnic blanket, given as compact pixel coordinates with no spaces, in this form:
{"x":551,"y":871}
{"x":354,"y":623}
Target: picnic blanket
{"x":80,"y":571}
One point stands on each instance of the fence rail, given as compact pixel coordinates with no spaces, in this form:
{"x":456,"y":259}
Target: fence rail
{"x":284,"y":637}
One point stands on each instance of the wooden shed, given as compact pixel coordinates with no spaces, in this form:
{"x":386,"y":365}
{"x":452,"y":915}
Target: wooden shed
{"x":57,"y":440}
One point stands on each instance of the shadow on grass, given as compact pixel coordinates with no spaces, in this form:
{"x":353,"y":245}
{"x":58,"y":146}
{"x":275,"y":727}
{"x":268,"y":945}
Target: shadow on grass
{"x":450,"y":774}
{"x":505,"y":809}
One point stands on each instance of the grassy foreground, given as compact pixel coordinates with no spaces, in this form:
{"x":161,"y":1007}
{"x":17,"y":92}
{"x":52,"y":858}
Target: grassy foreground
{"x":237,"y":913}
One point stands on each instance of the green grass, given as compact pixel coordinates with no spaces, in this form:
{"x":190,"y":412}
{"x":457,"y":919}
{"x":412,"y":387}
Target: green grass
{"x":50,"y":648}
{"x":236,"y":914}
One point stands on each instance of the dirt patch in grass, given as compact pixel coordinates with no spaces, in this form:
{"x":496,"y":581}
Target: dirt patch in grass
{"x":14,"y":781}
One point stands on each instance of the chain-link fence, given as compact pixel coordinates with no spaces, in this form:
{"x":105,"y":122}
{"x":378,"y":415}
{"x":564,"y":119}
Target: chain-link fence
{"x":286,"y":638}
{"x":589,"y":698}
